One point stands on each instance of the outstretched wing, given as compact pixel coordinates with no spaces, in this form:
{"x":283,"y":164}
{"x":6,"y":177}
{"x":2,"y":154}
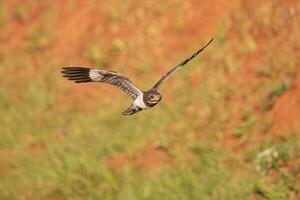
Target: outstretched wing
{"x":82,"y":75}
{"x":172,"y":71}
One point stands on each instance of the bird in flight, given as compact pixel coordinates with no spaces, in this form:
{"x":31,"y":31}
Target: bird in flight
{"x":141,"y":99}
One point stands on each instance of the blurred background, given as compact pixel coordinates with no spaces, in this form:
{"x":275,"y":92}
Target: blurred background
{"x":227,"y":128}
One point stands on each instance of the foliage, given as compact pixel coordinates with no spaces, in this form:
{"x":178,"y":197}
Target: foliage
{"x":58,"y":139}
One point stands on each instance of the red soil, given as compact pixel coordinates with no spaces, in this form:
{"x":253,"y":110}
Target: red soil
{"x":286,"y":111}
{"x":75,"y":27}
{"x":151,"y":158}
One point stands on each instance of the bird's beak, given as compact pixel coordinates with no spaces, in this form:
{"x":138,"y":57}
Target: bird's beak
{"x":157,"y":98}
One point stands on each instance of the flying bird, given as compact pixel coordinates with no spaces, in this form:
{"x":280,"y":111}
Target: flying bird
{"x":141,"y":99}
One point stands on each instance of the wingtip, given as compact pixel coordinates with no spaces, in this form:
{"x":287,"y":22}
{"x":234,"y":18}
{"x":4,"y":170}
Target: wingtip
{"x":76,"y":74}
{"x":66,"y":68}
{"x":210,"y":41}
{"x":207,"y":44}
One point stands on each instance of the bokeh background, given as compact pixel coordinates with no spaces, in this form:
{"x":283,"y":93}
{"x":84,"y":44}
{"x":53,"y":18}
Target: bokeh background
{"x":227,"y":128}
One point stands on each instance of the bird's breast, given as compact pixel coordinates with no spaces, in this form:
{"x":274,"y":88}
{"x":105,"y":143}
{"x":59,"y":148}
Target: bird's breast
{"x":139,"y":102}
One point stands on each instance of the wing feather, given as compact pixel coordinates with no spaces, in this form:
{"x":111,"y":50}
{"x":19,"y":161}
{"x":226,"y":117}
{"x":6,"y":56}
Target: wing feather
{"x":174,"y":69}
{"x":82,"y":75}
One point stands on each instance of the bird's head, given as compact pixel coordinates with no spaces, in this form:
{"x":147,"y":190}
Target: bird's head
{"x":152,"y":97}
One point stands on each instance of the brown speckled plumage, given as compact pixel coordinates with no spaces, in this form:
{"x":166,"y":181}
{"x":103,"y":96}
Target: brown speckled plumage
{"x":141,"y":99}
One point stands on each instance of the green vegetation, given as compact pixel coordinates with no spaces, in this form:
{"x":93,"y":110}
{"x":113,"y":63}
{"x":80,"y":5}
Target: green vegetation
{"x":208,"y":139}
{"x":3,"y":14}
{"x":21,"y":13}
{"x":39,"y":40}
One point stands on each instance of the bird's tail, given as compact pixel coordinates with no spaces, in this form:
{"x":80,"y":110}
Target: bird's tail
{"x":131,"y":110}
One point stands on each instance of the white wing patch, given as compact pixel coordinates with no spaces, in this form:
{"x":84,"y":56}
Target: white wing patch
{"x":83,"y":75}
{"x":95,"y":75}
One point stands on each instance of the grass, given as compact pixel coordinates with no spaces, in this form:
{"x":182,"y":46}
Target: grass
{"x":54,"y":147}
{"x":3,"y":14}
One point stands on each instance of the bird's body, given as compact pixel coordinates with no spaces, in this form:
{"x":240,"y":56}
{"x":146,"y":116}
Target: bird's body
{"x":139,"y":102}
{"x":141,"y":99}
